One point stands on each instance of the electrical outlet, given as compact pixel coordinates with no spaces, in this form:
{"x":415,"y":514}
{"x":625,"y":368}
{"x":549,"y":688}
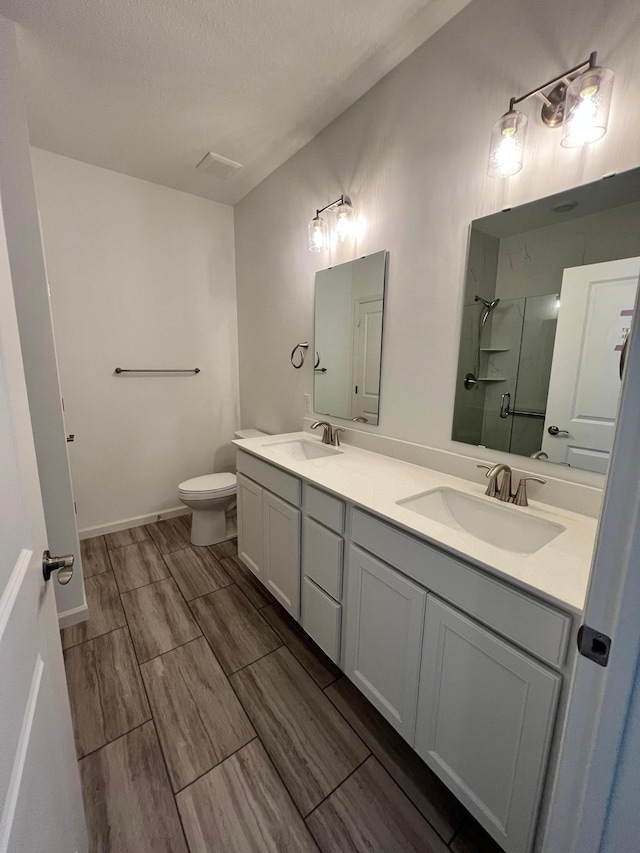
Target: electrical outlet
{"x":306,"y":402}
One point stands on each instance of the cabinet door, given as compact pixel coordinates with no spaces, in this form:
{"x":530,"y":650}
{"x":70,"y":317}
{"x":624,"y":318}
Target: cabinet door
{"x":485,"y":718}
{"x":282,"y":551}
{"x":250,"y":525}
{"x":385,"y":621}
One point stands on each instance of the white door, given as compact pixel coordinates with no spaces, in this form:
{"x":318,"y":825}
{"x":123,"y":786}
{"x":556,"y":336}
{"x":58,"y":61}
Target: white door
{"x":385,"y":621}
{"x":368,"y":346}
{"x":282,"y":551}
{"x":39,"y":780}
{"x":596,"y":307}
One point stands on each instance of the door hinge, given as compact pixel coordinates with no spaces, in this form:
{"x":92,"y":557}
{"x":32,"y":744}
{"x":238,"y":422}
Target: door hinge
{"x":75,"y":506}
{"x":356,"y":389}
{"x":594,"y":645}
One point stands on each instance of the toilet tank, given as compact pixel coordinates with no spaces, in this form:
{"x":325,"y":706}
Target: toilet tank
{"x":249,"y":433}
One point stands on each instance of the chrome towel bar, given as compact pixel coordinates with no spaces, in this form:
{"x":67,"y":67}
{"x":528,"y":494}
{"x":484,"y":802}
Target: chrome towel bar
{"x":506,"y":410}
{"x":146,"y":370}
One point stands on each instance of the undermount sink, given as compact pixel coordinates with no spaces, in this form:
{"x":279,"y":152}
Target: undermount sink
{"x":301,"y":450}
{"x":485,"y":518}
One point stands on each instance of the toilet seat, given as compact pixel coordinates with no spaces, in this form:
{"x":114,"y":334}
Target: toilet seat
{"x":208,"y":486}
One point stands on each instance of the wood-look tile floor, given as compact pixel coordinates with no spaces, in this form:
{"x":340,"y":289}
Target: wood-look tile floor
{"x":206,"y":720}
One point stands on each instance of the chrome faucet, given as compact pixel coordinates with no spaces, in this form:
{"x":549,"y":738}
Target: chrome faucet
{"x":327,"y":434}
{"x":502,"y":492}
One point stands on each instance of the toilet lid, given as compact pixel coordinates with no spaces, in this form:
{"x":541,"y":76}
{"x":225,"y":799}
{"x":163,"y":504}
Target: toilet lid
{"x":209,"y":483}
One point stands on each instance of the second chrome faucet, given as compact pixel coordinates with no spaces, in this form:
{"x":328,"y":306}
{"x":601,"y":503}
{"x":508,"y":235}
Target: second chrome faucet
{"x":503,"y":491}
{"x":330,"y":435}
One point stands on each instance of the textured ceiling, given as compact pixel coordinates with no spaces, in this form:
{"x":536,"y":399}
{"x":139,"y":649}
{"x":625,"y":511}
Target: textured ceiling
{"x":147,"y":87}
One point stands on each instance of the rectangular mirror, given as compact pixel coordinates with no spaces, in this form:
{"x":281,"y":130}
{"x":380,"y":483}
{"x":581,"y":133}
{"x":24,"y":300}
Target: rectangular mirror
{"x":348,"y":319}
{"x":550,"y":292}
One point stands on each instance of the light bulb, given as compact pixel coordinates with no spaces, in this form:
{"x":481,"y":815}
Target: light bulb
{"x":344,"y":221}
{"x":317,"y":234}
{"x":586,"y":110}
{"x":506,"y":154}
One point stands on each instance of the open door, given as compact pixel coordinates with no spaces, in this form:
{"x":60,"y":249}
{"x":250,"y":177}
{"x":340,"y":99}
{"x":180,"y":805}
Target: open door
{"x":594,"y":802}
{"x":595,"y":316}
{"x":42,"y":802}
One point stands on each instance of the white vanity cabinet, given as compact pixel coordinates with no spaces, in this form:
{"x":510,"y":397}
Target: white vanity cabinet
{"x":269,"y":528}
{"x":384,"y":638}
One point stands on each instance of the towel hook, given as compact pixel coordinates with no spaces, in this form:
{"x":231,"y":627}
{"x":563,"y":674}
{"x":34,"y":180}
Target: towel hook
{"x":301,"y":350}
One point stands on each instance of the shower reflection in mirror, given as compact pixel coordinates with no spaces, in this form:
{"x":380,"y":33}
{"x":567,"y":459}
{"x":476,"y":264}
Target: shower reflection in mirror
{"x":550,"y":294}
{"x":348,"y":318}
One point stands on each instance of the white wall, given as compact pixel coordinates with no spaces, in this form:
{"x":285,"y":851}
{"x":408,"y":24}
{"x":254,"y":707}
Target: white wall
{"x":140,"y":276}
{"x":412,"y":154}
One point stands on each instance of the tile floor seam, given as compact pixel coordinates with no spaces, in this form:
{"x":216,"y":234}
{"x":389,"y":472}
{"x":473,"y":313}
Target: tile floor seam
{"x":113,"y":740}
{"x":117,"y":547}
{"x":218,"y":764}
{"x":406,"y":794}
{"x":145,"y":585}
{"x":300,"y":661}
{"x":262,"y":657}
{"x":90,"y":639}
{"x":340,"y":784}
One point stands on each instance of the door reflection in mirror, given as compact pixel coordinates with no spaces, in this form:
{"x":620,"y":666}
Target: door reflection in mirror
{"x":565,"y":275}
{"x":348,"y":318}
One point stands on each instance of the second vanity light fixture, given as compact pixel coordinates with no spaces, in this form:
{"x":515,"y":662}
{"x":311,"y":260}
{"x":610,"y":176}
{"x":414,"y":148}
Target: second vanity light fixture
{"x":318,"y":230}
{"x":579,"y":101}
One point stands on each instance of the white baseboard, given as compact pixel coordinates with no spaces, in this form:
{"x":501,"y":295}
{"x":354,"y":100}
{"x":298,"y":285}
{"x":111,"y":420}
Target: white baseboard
{"x":72,"y":617}
{"x":137,"y":521}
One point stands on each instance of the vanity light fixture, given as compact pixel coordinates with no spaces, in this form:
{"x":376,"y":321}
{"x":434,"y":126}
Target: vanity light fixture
{"x":318,"y":231}
{"x":579,"y":100}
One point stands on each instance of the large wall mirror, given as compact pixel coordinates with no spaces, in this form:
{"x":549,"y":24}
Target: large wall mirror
{"x":549,"y":299}
{"x":349,"y":310}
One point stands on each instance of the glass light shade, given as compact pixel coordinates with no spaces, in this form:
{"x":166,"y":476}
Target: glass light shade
{"x":318,"y":235}
{"x":344,"y":220}
{"x":508,"y":136}
{"x":586,"y":107}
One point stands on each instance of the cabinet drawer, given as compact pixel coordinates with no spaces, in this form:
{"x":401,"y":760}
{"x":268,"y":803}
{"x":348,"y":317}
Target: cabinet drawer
{"x":325,"y":508}
{"x":322,"y":557}
{"x":321,"y":619}
{"x":271,"y":478}
{"x":534,"y":625}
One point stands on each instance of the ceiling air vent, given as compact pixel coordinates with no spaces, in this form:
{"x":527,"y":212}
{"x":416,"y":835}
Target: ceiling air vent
{"x":217,"y":166}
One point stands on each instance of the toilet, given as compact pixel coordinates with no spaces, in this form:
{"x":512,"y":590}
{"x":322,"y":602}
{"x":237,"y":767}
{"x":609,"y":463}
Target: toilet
{"x":211,"y":498}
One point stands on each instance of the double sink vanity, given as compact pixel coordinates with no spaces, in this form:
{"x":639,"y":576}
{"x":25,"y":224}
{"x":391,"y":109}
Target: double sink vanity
{"x":451,"y":611}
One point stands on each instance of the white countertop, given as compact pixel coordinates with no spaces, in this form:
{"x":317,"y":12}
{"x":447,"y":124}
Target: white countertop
{"x":558,"y":572}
